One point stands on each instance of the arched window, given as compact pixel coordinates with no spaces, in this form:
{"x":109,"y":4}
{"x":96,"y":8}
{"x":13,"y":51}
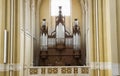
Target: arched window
{"x":65,"y":7}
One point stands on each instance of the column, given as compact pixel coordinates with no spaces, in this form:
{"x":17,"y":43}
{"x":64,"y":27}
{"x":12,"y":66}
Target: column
{"x":21,"y":6}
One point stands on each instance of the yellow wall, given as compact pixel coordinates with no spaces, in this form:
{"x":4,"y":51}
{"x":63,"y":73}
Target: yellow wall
{"x":76,"y":10}
{"x":45,"y":11}
{"x":113,"y":32}
{"x":4,"y":24}
{"x":118,"y":27}
{"x":1,"y":31}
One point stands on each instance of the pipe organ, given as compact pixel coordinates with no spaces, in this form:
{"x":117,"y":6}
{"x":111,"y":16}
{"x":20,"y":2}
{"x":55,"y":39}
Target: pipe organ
{"x":60,"y":48}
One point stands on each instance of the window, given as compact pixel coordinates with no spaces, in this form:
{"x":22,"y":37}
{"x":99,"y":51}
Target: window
{"x":65,"y":7}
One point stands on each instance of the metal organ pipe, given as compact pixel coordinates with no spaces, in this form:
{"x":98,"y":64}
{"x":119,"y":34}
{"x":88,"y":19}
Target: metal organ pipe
{"x":76,"y":41}
{"x":44,"y":41}
{"x":60,"y":30}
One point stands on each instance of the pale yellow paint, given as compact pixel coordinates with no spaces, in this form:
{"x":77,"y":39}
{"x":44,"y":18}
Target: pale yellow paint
{"x":16,"y":34}
{"x":16,"y":73}
{"x":93,"y":32}
{"x":45,"y":11}
{"x":94,"y":72}
{"x":5,"y":73}
{"x":110,"y":33}
{"x":104,"y":28}
{"x":76,"y":11}
{"x":113,"y":31}
{"x":118,"y":28}
{"x":92,"y":55}
{"x":1,"y":30}
{"x":5,"y":19}
{"x":7,"y":24}
{"x":100,"y":28}
{"x":105,"y":73}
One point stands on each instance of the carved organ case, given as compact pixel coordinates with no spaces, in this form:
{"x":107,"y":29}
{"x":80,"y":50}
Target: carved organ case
{"x":60,"y":48}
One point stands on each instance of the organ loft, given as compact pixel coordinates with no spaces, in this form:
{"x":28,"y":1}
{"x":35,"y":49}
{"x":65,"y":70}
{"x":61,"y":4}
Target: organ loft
{"x":61,"y":48}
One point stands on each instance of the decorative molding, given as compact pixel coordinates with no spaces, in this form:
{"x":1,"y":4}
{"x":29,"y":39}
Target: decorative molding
{"x":52,"y":70}
{"x":33,"y":71}
{"x":119,"y":69}
{"x":66,"y":70}
{"x":75,"y":70}
{"x":7,"y":67}
{"x":115,"y":69}
{"x":85,"y":70}
{"x":106,"y":66}
{"x":101,"y":65}
{"x":43,"y":70}
{"x":48,"y":70}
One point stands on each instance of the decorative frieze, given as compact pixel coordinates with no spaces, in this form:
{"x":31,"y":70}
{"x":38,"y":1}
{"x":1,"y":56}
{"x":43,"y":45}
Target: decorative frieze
{"x":66,"y":70}
{"x":33,"y":71}
{"x":52,"y":70}
{"x":75,"y":70}
{"x":85,"y":70}
{"x":57,"y":70}
{"x":43,"y":70}
{"x":47,"y":70}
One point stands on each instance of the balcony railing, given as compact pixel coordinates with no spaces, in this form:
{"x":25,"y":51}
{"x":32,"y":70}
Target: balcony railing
{"x":59,"y":71}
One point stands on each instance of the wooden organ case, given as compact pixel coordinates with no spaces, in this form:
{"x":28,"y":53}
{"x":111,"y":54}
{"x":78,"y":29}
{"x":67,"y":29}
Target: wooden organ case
{"x":60,"y":48}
